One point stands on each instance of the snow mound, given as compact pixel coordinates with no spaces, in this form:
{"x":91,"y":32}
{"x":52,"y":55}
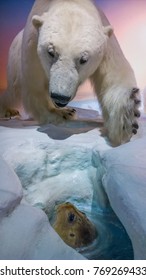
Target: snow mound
{"x":125,"y":185}
{"x":69,"y":162}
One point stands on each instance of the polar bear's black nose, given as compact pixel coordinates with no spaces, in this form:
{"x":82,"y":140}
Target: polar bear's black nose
{"x":60,"y":100}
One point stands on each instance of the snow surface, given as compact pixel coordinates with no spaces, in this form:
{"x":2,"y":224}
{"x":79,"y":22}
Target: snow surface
{"x":125,"y":180}
{"x":66,"y":163}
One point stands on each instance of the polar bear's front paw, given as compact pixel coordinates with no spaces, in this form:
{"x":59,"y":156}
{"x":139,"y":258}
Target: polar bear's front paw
{"x":136,"y":103}
{"x":57,"y":115}
{"x":122,"y":121}
{"x":130,"y":115}
{"x":60,"y":115}
{"x":67,"y":113}
{"x":9,"y":113}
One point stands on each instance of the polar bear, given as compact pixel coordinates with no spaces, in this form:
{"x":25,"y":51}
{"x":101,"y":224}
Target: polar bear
{"x":64,"y":43}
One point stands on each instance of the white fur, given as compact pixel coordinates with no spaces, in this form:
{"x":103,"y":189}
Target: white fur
{"x":72,"y":30}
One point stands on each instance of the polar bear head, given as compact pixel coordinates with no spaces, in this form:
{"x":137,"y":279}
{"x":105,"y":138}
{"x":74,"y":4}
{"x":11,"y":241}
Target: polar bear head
{"x":71,"y":45}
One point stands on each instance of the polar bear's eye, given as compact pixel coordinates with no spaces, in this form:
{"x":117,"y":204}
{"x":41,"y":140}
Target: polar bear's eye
{"x":84,"y":58}
{"x":51,"y":51}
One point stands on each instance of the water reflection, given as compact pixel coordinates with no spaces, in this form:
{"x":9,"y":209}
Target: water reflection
{"x":113,"y":242}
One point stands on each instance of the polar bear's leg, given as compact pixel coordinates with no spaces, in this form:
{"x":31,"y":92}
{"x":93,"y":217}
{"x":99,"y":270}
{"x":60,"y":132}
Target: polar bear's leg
{"x":120,"y":113}
{"x":115,"y":86}
{"x":11,"y":99}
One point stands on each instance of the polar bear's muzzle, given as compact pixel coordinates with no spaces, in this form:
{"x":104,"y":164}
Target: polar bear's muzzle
{"x":63,"y":83}
{"x":60,"y":100}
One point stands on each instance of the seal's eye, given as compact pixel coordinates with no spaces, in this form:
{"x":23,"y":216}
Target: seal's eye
{"x":71,"y":217}
{"x":51,"y":51}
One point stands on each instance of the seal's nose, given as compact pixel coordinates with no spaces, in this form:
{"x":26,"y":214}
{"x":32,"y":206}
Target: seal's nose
{"x":59,"y":99}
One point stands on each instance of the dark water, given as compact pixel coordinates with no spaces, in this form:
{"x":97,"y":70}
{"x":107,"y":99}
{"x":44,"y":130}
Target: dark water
{"x":113,"y":242}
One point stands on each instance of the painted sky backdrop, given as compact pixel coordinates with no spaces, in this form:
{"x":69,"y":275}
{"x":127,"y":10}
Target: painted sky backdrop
{"x":128,"y":17}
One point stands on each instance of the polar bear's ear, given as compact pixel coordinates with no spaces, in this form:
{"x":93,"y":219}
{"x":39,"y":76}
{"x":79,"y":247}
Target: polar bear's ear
{"x":108,"y":30}
{"x":37,"y":21}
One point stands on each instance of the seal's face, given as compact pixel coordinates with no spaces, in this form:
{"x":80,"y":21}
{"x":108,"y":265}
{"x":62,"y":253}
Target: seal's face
{"x":73,"y":226}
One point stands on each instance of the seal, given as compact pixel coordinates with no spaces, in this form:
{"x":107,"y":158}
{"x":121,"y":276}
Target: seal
{"x":73,"y":226}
